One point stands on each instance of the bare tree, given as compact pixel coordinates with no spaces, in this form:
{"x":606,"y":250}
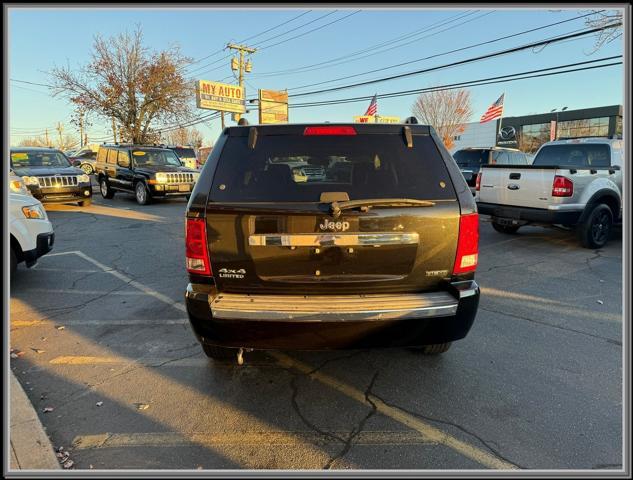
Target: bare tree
{"x":128,"y":83}
{"x":185,"y":136}
{"x":445,"y":110}
{"x":67,"y":142}
{"x":603,"y":18}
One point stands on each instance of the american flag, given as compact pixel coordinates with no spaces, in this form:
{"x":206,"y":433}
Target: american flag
{"x":494,"y":111}
{"x":373,"y":107}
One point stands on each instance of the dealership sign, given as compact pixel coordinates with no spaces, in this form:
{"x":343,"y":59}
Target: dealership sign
{"x":376,"y":119}
{"x":507,"y":136}
{"x":273,"y":106}
{"x":220,"y":96}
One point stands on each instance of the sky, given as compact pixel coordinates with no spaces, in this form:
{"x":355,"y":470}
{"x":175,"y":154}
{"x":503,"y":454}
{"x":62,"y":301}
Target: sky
{"x":42,"y":38}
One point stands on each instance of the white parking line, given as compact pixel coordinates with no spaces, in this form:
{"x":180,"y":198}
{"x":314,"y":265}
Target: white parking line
{"x":139,"y":286}
{"x":430,"y":433}
{"x":84,"y":292}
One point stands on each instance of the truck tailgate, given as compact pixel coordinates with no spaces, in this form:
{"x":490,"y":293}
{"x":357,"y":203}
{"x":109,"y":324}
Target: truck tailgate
{"x":518,"y":186}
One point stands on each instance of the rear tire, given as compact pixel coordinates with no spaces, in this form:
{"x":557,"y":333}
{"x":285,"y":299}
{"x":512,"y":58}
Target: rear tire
{"x":87,"y":168}
{"x":594,"y":232}
{"x":219,"y":353}
{"x":104,"y":188}
{"x":507,"y":229}
{"x":14,"y":262}
{"x":141,"y":192}
{"x":434,"y":349}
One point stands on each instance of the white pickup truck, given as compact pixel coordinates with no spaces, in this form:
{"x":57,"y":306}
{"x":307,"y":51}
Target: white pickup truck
{"x":576,"y":183}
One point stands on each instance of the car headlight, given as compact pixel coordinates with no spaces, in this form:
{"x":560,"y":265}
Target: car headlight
{"x":34,"y":211}
{"x":83,"y":178}
{"x":161,"y":177}
{"x":17,"y":186}
{"x":31,"y":180}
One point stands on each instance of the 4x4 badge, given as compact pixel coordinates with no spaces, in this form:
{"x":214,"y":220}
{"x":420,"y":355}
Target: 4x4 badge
{"x":231,"y":273}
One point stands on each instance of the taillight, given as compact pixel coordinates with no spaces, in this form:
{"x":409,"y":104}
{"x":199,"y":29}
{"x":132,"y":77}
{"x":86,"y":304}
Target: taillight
{"x":562,"y":187}
{"x":196,"y":247}
{"x":478,"y":182}
{"x":467,"y":244}
{"x":329,"y":131}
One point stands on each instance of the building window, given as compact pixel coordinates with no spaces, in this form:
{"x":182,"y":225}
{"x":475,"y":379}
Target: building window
{"x":533,"y":136}
{"x":588,"y":127}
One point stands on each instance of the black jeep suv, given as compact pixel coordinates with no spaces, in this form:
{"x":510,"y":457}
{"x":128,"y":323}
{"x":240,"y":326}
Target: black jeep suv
{"x":50,"y":176}
{"x":148,"y":172}
{"x":380,"y":251}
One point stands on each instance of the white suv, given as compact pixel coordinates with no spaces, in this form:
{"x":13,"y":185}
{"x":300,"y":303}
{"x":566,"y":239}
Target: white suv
{"x":31,"y":232}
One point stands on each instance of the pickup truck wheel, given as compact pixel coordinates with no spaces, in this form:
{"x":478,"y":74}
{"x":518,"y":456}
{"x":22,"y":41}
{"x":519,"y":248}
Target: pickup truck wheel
{"x":219,"y":353}
{"x":87,"y":168}
{"x":594,"y":232}
{"x":434,"y":349}
{"x":104,"y":188}
{"x":508,"y":229}
{"x":14,"y":262}
{"x":143,"y":197}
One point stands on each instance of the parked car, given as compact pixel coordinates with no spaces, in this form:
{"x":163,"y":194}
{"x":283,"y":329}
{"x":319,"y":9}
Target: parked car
{"x":87,"y":160}
{"x":187,"y":155}
{"x":386,"y":258}
{"x":50,"y":176}
{"x":576,"y":183}
{"x":203,"y":154}
{"x":31,"y":233}
{"x":470,"y":160}
{"x":148,"y":172}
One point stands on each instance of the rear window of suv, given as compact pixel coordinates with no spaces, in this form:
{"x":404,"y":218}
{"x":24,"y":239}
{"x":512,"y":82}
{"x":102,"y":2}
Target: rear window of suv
{"x":288,"y":168}
{"x":472,"y":158}
{"x":574,"y":155}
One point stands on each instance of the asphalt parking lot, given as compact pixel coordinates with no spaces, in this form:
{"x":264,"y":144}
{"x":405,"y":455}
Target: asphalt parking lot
{"x":537,"y":384}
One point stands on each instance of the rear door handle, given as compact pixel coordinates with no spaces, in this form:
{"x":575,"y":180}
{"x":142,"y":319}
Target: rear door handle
{"x":515,"y":176}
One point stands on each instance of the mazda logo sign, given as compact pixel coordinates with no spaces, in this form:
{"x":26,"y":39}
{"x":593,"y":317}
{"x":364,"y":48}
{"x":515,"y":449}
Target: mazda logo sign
{"x":507,"y":133}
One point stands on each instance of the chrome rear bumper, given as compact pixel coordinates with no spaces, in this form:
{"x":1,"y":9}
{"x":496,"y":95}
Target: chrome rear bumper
{"x":329,"y":308}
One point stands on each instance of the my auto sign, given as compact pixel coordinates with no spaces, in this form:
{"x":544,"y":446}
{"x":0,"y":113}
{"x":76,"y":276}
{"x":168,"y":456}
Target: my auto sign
{"x":220,"y":96}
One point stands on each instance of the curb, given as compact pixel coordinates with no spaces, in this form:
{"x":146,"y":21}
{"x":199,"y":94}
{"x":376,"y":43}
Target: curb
{"x":31,"y":448}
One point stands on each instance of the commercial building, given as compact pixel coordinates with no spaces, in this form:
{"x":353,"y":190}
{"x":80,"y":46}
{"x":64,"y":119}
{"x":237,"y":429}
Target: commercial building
{"x":529,"y":132}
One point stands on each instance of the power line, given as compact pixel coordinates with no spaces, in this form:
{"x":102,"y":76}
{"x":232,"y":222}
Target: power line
{"x":251,"y":37}
{"x":310,"y":31}
{"x":499,"y":79}
{"x":200,"y":69}
{"x":471,"y":83}
{"x":428,"y":28}
{"x":460,"y":62}
{"x":468,"y":47}
{"x":294,"y":29}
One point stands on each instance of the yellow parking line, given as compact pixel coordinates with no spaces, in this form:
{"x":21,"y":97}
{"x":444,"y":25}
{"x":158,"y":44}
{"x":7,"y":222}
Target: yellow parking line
{"x":265,"y":439}
{"x":429,"y":432}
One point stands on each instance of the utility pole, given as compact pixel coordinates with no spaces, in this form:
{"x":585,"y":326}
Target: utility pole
{"x":60,"y":129}
{"x":241,"y":66}
{"x":81,"y":130}
{"x":48,"y":143}
{"x":113,"y":130}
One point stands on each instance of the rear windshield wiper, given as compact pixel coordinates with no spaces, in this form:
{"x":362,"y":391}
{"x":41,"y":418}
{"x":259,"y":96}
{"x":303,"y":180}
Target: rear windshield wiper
{"x":337,"y":207}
